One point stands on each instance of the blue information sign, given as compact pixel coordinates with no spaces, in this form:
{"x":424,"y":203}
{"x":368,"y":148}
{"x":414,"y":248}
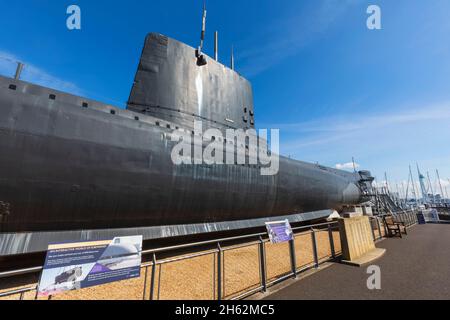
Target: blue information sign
{"x":72,"y":266}
{"x":280,"y":231}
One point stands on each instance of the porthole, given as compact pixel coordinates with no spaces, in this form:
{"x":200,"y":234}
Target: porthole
{"x":12,"y":87}
{"x":52,"y":97}
{"x":112,"y":112}
{"x":85,"y":105}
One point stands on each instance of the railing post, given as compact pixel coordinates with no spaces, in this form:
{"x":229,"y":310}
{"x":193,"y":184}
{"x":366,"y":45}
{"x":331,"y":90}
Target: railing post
{"x":314,"y":243}
{"x":21,"y":295}
{"x":145,"y":283}
{"x":293,"y":258}
{"x":379,"y":228}
{"x":37,"y":293}
{"x":373,"y":230}
{"x":152,"y":283}
{"x":330,"y":235}
{"x":262,"y":264}
{"x":219,"y":272}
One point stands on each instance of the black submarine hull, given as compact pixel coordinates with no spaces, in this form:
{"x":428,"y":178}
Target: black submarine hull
{"x":64,"y":167}
{"x":72,"y":164}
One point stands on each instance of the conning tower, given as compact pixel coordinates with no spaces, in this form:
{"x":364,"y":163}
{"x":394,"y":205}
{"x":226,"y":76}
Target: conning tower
{"x":169,"y":84}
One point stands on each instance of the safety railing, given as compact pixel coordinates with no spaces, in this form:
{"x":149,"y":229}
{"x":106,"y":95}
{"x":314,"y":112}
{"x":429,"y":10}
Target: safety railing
{"x":379,"y":229}
{"x":230,"y":268}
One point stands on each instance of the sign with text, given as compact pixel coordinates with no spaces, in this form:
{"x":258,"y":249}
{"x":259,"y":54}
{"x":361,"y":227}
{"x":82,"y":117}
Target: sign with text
{"x":73,"y":266}
{"x":431,"y":216}
{"x":280,"y":231}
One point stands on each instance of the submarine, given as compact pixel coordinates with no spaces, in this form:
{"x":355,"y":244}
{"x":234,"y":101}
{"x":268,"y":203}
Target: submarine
{"x":74,"y":169}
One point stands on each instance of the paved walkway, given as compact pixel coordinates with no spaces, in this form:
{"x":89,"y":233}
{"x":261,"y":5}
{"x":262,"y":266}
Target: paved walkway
{"x":415,"y":267}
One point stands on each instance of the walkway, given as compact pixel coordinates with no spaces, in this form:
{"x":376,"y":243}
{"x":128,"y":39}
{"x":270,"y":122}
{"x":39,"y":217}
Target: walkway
{"x":415,"y":267}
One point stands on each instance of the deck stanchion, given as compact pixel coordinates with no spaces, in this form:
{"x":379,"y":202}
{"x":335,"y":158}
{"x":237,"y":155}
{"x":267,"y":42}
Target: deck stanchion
{"x":262,"y":264}
{"x":37,"y":293}
{"x":145,"y":283}
{"x":314,"y":243}
{"x":372,"y":229}
{"x":379,"y":228}
{"x":293,"y":258}
{"x":330,"y":235}
{"x":152,"y":283}
{"x":21,"y":295}
{"x":219,"y":272}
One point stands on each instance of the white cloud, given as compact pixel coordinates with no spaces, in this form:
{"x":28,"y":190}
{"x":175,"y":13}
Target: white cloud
{"x":445,"y":183}
{"x":33,"y":74}
{"x":333,"y":130}
{"x":387,"y":141}
{"x":347,"y":166}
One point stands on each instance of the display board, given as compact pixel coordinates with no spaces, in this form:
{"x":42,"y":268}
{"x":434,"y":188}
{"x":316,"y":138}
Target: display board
{"x":421,"y":218}
{"x":73,"y":266}
{"x":280,"y":231}
{"x":431,"y":216}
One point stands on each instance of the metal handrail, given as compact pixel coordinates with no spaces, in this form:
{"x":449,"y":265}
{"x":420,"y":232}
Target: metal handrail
{"x":20,"y":272}
{"x":410,"y":219}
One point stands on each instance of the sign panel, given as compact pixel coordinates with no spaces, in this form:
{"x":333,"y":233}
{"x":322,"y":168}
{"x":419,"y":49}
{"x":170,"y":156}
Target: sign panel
{"x":280,"y":231}
{"x":431,"y":216}
{"x":73,"y":266}
{"x":421,"y":218}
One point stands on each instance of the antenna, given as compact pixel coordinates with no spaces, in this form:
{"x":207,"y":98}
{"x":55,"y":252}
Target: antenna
{"x":446,"y":191}
{"x":413,"y":191}
{"x":387,"y":183}
{"x":354,"y":164}
{"x":403,"y":191}
{"x":18,"y":70}
{"x":232,"y":58}
{"x":216,"y":45}
{"x":440,"y":185}
{"x":431,"y":187}
{"x":201,"y":60}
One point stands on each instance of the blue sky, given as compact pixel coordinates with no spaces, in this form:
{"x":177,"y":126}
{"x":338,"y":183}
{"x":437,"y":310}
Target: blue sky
{"x":335,"y":89}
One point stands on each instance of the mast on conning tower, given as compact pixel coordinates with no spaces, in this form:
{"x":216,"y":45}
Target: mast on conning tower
{"x":232,"y":59}
{"x":201,"y":60}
